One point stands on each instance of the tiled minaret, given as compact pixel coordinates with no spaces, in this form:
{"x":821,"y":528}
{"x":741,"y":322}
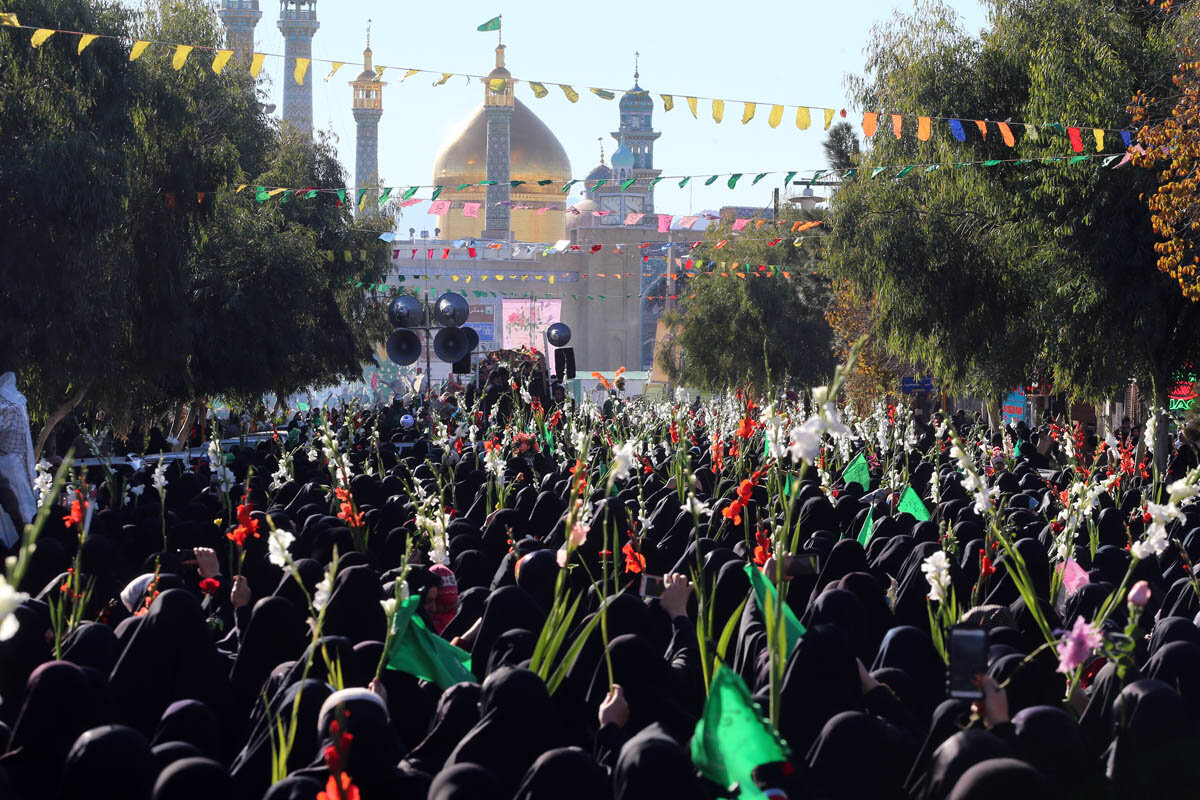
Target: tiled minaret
{"x":367,"y":108}
{"x":298,"y":24}
{"x":498,"y":103}
{"x":239,"y":18}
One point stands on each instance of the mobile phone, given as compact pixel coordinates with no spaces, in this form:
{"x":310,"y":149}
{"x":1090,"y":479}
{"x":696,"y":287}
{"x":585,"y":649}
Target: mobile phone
{"x":968,"y":663}
{"x":802,"y":565}
{"x":652,"y":586}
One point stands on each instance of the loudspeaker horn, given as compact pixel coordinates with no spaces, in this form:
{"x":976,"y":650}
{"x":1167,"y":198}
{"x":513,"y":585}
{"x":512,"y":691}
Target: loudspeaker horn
{"x":451,"y":310}
{"x":564,"y":363}
{"x":403,"y":347}
{"x":405,"y":312}
{"x":558,"y":334}
{"x":451,"y":344}
{"x":472,"y":338}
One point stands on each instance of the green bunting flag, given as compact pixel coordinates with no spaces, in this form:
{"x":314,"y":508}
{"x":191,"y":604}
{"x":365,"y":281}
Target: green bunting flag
{"x":625,"y":184}
{"x":683,"y":182}
{"x":418,"y":651}
{"x":732,"y":738}
{"x":710,"y":181}
{"x":387,"y":192}
{"x":911,"y":502}
{"x":733,"y":179}
{"x":409,"y":192}
{"x":858,"y":471}
{"x":868,"y":528}
{"x":492,"y":24}
{"x":436,"y":191}
{"x":764,"y":597}
{"x":759,"y":177}
{"x":788,"y":180}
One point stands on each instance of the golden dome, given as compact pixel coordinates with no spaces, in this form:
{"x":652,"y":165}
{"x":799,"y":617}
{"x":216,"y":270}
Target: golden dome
{"x":535,"y":155}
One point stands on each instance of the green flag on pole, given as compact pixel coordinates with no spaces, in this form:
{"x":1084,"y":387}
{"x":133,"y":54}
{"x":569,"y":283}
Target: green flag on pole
{"x":911,"y":502}
{"x":858,"y":471}
{"x":492,"y":24}
{"x":764,"y":597}
{"x":864,"y":533}
{"x":418,"y":651}
{"x":732,"y":738}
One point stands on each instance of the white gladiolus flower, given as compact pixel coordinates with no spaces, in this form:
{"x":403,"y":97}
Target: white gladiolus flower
{"x":10,"y":598}
{"x":43,"y":482}
{"x":1181,"y":491}
{"x":277,"y":547}
{"x":321,"y":596}
{"x":1150,"y":438}
{"x":1154,"y":543}
{"x":389,"y":607}
{"x":159,"y":477}
{"x":936,"y":569}
{"x":622,"y":463}
{"x":695,"y":505}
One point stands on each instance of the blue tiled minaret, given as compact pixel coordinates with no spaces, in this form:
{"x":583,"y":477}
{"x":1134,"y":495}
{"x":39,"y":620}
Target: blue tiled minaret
{"x":498,"y":103}
{"x":298,"y":24}
{"x":367,"y":109}
{"x":239,"y":18}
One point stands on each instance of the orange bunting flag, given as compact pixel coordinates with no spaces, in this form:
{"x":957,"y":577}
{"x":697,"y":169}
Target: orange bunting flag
{"x":982,"y":125}
{"x":923,"y":128}
{"x":1006,"y":134}
{"x":897,"y":124}
{"x":869,"y":123}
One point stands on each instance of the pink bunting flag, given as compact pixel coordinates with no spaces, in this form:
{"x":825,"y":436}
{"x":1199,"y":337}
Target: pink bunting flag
{"x":601,"y":213}
{"x":664,"y":223}
{"x":412,"y":201}
{"x":687,"y":222}
{"x":471,"y":209}
{"x":542,"y":210}
{"x":573,"y":210}
{"x":633,"y":219}
{"x":739,"y":224}
{"x":414,"y":253}
{"x":439,"y":207}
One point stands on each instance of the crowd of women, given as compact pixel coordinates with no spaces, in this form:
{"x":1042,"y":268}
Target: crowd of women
{"x":220,"y":628}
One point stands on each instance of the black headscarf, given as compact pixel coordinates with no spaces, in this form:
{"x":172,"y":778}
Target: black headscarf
{"x":516,"y":725}
{"x":354,"y":610}
{"x":189,"y":721}
{"x":649,"y":687}
{"x":466,"y":782}
{"x":112,"y":762}
{"x":835,"y":758}
{"x":1049,"y":739}
{"x":251,"y":769}
{"x":20,"y":654}
{"x":952,"y":758}
{"x":1002,"y":779}
{"x":652,"y":766}
{"x":1153,"y":750}
{"x":94,"y":645}
{"x":911,"y":650}
{"x":565,"y":772}
{"x":505,"y":609}
{"x":276,"y":633}
{"x":1178,"y":665}
{"x":193,"y":779}
{"x":821,"y":680}
{"x":456,"y":714}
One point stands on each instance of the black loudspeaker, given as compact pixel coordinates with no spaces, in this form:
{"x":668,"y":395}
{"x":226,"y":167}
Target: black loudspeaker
{"x":463,"y":365}
{"x":472,"y":338}
{"x":405,"y":312}
{"x":564,"y":363}
{"x":451,"y":310}
{"x":558,"y":334}
{"x":451,"y":344}
{"x":403,"y":347}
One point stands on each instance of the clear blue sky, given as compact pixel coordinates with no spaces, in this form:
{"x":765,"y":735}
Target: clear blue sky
{"x":795,"y":53}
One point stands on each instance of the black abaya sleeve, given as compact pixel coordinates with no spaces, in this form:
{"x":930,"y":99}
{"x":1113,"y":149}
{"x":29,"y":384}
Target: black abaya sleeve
{"x":609,"y":741}
{"x":882,"y":702}
{"x":683,"y":657}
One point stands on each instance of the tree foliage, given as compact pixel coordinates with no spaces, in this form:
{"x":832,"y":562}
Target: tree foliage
{"x":144,"y":278}
{"x":994,"y":275}
{"x":741,"y":321}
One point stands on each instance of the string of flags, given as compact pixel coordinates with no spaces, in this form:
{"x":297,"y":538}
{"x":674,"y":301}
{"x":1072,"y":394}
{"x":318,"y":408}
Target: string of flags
{"x":407,"y":198}
{"x":872,"y":121}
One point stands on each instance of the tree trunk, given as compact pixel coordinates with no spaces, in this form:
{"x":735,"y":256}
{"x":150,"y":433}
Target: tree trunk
{"x":993,"y":414}
{"x":57,"y":416}
{"x":182,"y":436}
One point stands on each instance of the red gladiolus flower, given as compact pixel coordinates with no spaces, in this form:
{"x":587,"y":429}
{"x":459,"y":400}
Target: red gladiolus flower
{"x":733,"y":512}
{"x":745,"y":490}
{"x":745,"y":428}
{"x":246,"y":525}
{"x":985,"y":564}
{"x":76,"y":515}
{"x":763,"y":550}
{"x":354,"y":520}
{"x":209,"y":585}
{"x":336,"y":789}
{"x":634,"y":561}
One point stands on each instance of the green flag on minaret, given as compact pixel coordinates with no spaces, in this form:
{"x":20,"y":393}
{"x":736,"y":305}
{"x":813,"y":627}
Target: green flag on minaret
{"x":492,"y":24}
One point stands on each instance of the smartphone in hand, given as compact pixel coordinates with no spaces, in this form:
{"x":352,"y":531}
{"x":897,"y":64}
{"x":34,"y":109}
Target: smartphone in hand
{"x":968,"y":663}
{"x":652,"y":586}
{"x":802,"y":565}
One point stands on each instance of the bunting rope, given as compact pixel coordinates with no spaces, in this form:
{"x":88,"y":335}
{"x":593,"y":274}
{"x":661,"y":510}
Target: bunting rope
{"x":957,"y":126}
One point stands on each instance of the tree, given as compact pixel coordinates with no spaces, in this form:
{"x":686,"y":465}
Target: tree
{"x":841,"y":146}
{"x":992,"y":274}
{"x":1172,"y":144}
{"x":742,"y":320}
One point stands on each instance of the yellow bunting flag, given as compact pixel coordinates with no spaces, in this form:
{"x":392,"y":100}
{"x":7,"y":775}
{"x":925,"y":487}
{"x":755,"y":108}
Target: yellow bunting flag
{"x":691,"y":101}
{"x":497,"y":85}
{"x":718,"y":110}
{"x":1006,"y":134}
{"x":571,"y":94}
{"x":336,"y":66}
{"x":256,"y":64}
{"x":603,"y":94}
{"x":668,"y":102}
{"x":40,"y":36}
{"x":1099,"y":134}
{"x":181,"y":54}
{"x":137,"y":49}
{"x":240,"y":187}
{"x":982,"y":125}
{"x":379,"y":72}
{"x":803,"y":119}
{"x":301,"y":68}
{"x":897,"y":125}
{"x":923,"y":128}
{"x":869,"y":123}
{"x":10,"y":20}
{"x":539,"y":90}
{"x":221,"y":59}
{"x":85,"y":40}
{"x":748,"y":112}
{"x":776,"y":116}
{"x":445,"y":77}
{"x":828,"y":117}
{"x":274,"y":192}
{"x":409,"y":74}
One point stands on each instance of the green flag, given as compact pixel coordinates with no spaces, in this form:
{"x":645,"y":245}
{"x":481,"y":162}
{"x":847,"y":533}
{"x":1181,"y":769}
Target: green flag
{"x":418,"y":651}
{"x":864,"y":533}
{"x":764,"y":596}
{"x":858,"y":471}
{"x":492,"y":24}
{"x":732,"y":738}
{"x":911,"y":502}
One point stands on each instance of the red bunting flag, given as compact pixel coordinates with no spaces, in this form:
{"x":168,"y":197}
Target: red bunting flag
{"x":596,"y":248}
{"x":445,"y":253}
{"x":471,"y":252}
{"x":774,"y":242}
{"x":1076,"y":139}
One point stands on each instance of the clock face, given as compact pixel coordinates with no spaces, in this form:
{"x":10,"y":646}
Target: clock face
{"x":610,"y":203}
{"x":634,"y":204}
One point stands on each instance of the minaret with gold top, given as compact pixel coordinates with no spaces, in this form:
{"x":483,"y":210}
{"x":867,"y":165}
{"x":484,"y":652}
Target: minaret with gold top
{"x":367,"y":109}
{"x":498,"y":105}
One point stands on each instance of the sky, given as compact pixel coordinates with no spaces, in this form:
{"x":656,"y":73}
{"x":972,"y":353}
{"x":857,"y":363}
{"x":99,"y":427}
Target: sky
{"x":790,"y":53}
